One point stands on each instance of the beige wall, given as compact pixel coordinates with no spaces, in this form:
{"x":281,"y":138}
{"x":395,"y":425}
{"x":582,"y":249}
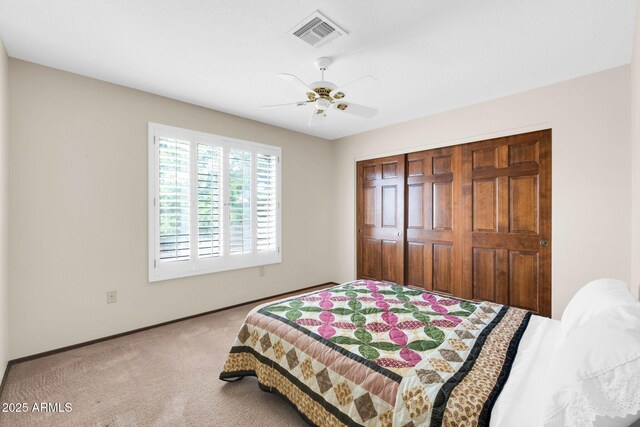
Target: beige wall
{"x":4,"y":208}
{"x":78,"y":196}
{"x":78,"y":205}
{"x":591,"y":170}
{"x":635,"y":146}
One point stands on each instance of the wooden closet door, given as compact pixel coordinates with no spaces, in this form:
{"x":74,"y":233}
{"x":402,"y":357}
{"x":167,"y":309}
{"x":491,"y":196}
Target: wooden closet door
{"x":434,"y":224}
{"x":507,"y":192}
{"x":380,"y":219}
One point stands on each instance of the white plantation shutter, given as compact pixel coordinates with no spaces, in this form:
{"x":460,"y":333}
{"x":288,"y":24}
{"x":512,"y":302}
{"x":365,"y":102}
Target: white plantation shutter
{"x":240,"y":201}
{"x":210,"y":202}
{"x":174,"y":199}
{"x":266,"y":203}
{"x":214,"y":203}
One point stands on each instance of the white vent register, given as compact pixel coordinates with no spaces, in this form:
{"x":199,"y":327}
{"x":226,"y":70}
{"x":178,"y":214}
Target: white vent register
{"x":317,"y":30}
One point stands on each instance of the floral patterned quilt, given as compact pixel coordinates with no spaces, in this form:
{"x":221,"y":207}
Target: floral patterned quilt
{"x":376,"y":353}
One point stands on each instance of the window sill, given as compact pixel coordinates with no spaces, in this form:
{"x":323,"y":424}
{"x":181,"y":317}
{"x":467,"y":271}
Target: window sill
{"x":156,"y":276}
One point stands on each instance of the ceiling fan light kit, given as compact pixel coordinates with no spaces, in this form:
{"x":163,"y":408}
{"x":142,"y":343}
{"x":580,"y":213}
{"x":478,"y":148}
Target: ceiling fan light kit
{"x":324,"y":95}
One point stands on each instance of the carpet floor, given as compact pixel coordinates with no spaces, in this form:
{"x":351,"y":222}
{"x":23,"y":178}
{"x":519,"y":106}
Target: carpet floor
{"x":166,"y":376}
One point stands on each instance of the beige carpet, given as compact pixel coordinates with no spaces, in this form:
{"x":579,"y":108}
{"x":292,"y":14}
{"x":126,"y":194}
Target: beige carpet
{"x":166,"y":376}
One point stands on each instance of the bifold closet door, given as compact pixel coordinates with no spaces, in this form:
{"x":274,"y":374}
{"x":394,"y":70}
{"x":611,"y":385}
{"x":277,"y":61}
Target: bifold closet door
{"x":434,"y":220}
{"x":508,"y":195}
{"x":380,"y":219}
{"x":472,"y":220}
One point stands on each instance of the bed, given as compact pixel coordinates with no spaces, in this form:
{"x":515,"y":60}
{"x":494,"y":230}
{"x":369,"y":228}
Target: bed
{"x":379,"y":354}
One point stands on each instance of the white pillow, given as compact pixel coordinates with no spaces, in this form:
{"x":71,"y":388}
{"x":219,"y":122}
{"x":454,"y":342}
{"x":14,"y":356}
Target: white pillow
{"x":592,"y":299}
{"x":595,"y":374}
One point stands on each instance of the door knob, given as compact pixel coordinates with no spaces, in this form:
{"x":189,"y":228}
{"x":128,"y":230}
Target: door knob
{"x":544,"y":243}
{"x":400,"y":234}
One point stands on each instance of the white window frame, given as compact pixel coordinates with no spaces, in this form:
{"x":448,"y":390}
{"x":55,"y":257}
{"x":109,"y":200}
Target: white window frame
{"x":194,"y":266}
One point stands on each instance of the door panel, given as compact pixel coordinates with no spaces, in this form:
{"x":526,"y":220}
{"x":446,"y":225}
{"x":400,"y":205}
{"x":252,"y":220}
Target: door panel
{"x":389,"y":206}
{"x":442,"y":207}
{"x":508,"y":194}
{"x":380,"y":219}
{"x":432,"y":239}
{"x":526,"y":152}
{"x":415,"y":206}
{"x":415,"y":167}
{"x":485,"y":274}
{"x":441,"y":164}
{"x":442,"y":268}
{"x":415,"y":263}
{"x":391,"y":269}
{"x":369,"y":172}
{"x":523,"y":200}
{"x":484,"y":205}
{"x":523,"y":280}
{"x":390,"y":170}
{"x":372,"y":258}
{"x":369,"y":206}
{"x":484,"y":158}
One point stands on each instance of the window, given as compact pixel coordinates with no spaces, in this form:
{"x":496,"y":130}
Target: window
{"x":214,"y":203}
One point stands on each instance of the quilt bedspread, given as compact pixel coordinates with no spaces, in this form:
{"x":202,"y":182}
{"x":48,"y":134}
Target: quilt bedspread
{"x":376,"y":353}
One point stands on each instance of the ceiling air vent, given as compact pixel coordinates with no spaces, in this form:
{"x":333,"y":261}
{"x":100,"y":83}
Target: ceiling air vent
{"x":317,"y":30}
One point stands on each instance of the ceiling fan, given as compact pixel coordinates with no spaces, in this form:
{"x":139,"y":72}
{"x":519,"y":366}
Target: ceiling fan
{"x":325,"y":96}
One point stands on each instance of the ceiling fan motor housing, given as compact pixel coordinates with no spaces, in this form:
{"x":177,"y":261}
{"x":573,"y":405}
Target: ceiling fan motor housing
{"x":323,"y":84}
{"x":321,"y":90}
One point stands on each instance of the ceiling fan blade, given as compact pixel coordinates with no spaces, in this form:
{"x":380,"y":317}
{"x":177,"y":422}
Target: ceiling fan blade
{"x":317,"y":117}
{"x":299,"y":84}
{"x":299,"y":104}
{"x":356,"y":109}
{"x":340,"y":90}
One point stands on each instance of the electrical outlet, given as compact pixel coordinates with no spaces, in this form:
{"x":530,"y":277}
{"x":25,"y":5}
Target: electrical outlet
{"x":261,"y":271}
{"x":111,"y":297}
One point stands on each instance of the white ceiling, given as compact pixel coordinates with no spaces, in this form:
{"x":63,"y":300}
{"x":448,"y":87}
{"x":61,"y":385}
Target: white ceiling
{"x":429,"y":56}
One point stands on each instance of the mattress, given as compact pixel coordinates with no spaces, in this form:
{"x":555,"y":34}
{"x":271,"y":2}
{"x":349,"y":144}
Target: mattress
{"x":376,"y":353}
